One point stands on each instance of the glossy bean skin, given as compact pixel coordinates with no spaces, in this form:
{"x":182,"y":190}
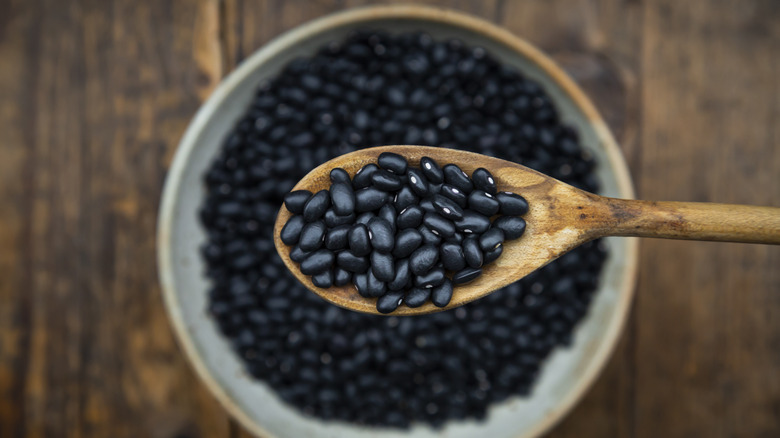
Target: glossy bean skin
{"x":339,"y":175}
{"x":359,"y":242}
{"x":392,"y":162}
{"x":410,"y":217}
{"x":512,"y":204}
{"x":291,"y":231}
{"x":316,"y":206}
{"x":342,"y":197}
{"x":430,"y":168}
{"x":513,"y":227}
{"x":423,"y":259}
{"x":417,"y":296}
{"x":452,"y":257}
{"x":484,"y":180}
{"x":406,"y":242}
{"x":466,"y":275}
{"x":472,"y":252}
{"x":442,"y":294}
{"x":294,"y":201}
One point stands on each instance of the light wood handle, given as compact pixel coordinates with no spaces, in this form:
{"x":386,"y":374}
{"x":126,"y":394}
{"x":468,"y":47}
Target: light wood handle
{"x":692,"y":221}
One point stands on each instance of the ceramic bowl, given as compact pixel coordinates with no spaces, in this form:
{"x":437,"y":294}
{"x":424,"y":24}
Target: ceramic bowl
{"x":567,"y":373}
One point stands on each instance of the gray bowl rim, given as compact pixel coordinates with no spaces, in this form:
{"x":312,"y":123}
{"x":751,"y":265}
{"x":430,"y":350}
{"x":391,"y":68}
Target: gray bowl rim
{"x":287,"y":39}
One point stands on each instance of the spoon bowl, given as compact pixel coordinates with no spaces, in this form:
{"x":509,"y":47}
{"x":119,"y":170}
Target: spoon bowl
{"x":545,"y":239}
{"x":560,"y":218}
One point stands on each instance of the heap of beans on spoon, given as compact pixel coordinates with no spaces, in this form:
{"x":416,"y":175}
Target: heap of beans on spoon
{"x":395,"y":231}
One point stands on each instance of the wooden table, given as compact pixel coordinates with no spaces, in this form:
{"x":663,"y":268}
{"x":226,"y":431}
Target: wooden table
{"x":94,"y":96}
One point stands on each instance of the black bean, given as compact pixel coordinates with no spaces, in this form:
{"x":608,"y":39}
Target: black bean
{"x":392,"y":162}
{"x":405,"y":198}
{"x":402,"y":275}
{"x":386,"y":181}
{"x":297,"y":254}
{"x":451,"y":255}
{"x":434,"y":188}
{"x":359,"y":242}
{"x":427,"y":205}
{"x":457,"y":178}
{"x":455,"y":194}
{"x":410,"y":217}
{"x":483,"y":180}
{"x":432,"y":278}
{"x":493,"y":254}
{"x":291,"y":231}
{"x":512,"y":204}
{"x":466,"y":275}
{"x":513,"y":227}
{"x":439,"y":225}
{"x":442,"y":294}
{"x":491,"y":239}
{"x":418,"y":183}
{"x":342,"y":197}
{"x":317,"y":262}
{"x":339,"y":175}
{"x":431,"y":170}
{"x":294,"y":201}
{"x":423,"y":259}
{"x":406,"y":242}
{"x":369,"y":199}
{"x":312,"y":236}
{"x":472,"y":252}
{"x":429,"y":237}
{"x":457,"y":238}
{"x":361,"y":284}
{"x":337,"y":238}
{"x":380,"y":235}
{"x":352,"y":263}
{"x":376,"y":287}
{"x":362,"y":178}
{"x":341,"y":277}
{"x":483,"y":202}
{"x":472,"y":223}
{"x":316,"y":206}
{"x":388,"y":213}
{"x":447,"y":207}
{"x":417,"y":296}
{"x":390,"y":301}
{"x":365,"y":218}
{"x":382,"y":266}
{"x":323,"y":279}
{"x":333,"y":220}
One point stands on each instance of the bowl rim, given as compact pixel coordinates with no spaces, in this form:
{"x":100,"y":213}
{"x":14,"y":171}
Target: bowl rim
{"x":289,"y":38}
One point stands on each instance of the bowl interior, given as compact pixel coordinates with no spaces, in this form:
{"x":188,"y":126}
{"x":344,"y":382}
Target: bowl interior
{"x":567,"y":372}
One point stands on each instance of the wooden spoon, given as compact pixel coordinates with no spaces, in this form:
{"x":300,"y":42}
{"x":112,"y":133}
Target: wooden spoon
{"x":560,"y":218}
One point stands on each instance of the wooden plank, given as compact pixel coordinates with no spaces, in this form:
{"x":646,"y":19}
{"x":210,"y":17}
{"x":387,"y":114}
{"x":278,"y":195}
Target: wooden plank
{"x":706,"y":353}
{"x":95,"y":95}
{"x":99,"y":94}
{"x":15,"y":168}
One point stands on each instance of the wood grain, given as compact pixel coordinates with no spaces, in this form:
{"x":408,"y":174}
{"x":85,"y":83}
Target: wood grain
{"x":707,"y":327}
{"x":94,"y":96}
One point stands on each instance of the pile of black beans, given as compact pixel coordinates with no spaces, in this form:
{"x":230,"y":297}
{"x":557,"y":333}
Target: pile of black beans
{"x":377,"y":89}
{"x":395,"y":230}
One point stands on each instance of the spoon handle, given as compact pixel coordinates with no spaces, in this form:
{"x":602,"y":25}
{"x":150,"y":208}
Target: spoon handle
{"x":692,"y":221}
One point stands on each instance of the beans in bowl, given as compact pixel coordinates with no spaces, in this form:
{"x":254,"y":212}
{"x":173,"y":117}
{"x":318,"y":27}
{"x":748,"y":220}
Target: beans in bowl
{"x":376,"y":89}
